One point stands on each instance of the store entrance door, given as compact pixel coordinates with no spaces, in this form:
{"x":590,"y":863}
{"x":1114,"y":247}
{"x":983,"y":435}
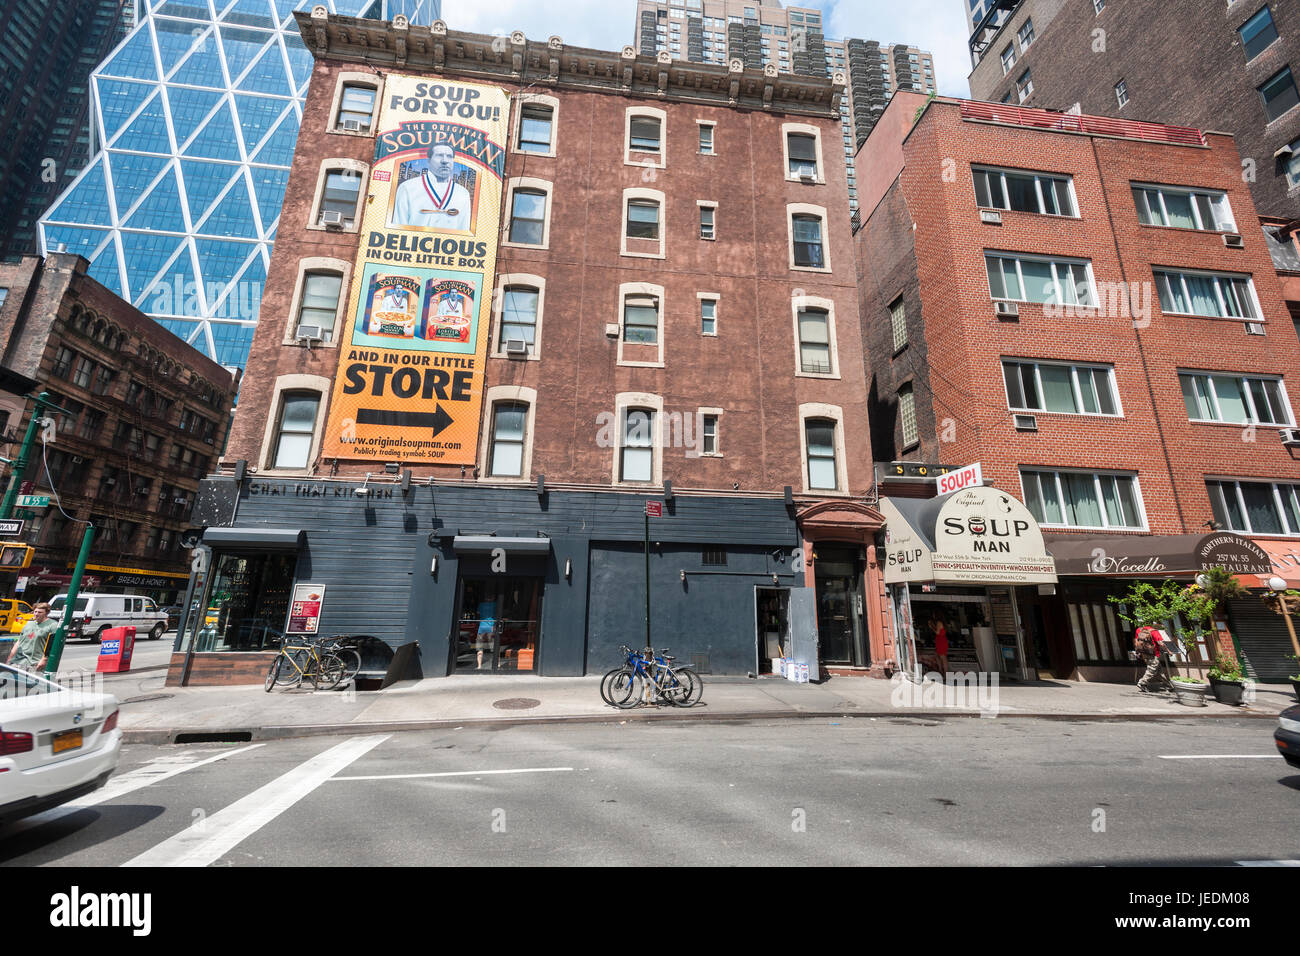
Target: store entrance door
{"x":499,"y":625}
{"x":772,"y":625}
{"x":839,"y":606}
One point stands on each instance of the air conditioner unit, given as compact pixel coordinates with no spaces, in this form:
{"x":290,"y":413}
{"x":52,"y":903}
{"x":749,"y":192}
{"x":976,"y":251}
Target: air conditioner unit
{"x":77,"y":459}
{"x":516,"y":347}
{"x":207,"y":441}
{"x":1025,"y":423}
{"x":331,"y":219}
{"x":807,"y":174}
{"x":611,"y":329}
{"x":308,"y":333}
{"x":1290,"y":437}
{"x":1233,"y":241}
{"x":991,"y":216}
{"x":1006,"y":310}
{"x":1284,"y":152}
{"x":142,"y":491}
{"x":109,"y":482}
{"x":352,"y":126}
{"x":1254,"y":328}
{"x":178,"y":501}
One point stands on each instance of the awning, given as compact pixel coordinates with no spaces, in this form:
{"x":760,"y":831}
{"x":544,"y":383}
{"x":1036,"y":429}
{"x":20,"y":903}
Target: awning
{"x":487,"y":542}
{"x":1156,"y":554}
{"x":979,"y":535}
{"x":255,"y":539}
{"x":1284,"y":556}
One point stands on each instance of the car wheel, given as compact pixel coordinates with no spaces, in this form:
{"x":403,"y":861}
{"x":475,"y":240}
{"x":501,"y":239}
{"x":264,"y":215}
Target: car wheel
{"x":99,"y":635}
{"x":157,"y":632}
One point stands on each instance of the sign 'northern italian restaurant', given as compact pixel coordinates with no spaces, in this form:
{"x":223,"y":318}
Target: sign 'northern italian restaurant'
{"x":413,"y":349}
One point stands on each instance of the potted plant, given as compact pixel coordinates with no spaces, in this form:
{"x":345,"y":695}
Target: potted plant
{"x":1226,"y":680}
{"x":1150,"y":605}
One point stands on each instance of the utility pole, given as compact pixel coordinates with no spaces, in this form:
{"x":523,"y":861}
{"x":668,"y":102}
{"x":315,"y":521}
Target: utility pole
{"x":56,"y":644}
{"x":20,"y":465}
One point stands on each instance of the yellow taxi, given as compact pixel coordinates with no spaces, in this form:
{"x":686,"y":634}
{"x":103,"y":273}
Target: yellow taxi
{"x":13,"y":615}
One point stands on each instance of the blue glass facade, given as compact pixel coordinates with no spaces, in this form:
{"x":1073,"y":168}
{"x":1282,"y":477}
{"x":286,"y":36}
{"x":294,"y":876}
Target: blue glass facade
{"x":194,"y":120}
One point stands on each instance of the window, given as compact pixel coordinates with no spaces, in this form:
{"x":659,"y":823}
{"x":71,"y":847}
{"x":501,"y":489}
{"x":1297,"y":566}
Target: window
{"x":63,"y":362}
{"x":319,"y":305}
{"x":294,"y":432}
{"x":1221,"y":397}
{"x":898,"y":323}
{"x":342,"y":190}
{"x":1075,"y":499}
{"x":85,"y":370}
{"x":1024,"y":279}
{"x":1206,"y":294}
{"x":807,"y":238}
{"x":1183,"y":208}
{"x":1024,"y":192}
{"x":708,"y":316}
{"x":519,"y":316}
{"x":706,"y":139}
{"x":1255,"y":507}
{"x":907,"y":416}
{"x":1026,"y":34}
{"x":1279,"y":93}
{"x":814,"y":342}
{"x":1024,"y":86}
{"x":802,"y":154}
{"x":4,"y":294}
{"x":637,"y":458}
{"x":1257,"y":33}
{"x":709,"y":434}
{"x":716,"y":557}
{"x":536,"y":128}
{"x":819,"y":435}
{"x":91,"y":423}
{"x":1008,"y":58}
{"x":1121,"y":93}
{"x":1098,"y":5}
{"x":528,"y":217}
{"x":642,"y":219}
{"x":1059,"y":387}
{"x":506,"y":458}
{"x":641,"y":320}
{"x":356,"y":105}
{"x":644,"y":134}
{"x":707,"y":222}
{"x":103,"y":380}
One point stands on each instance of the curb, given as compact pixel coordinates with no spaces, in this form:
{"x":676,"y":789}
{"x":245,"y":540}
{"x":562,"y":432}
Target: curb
{"x":289,"y":732}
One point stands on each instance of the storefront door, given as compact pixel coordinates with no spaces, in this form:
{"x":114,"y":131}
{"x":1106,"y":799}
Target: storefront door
{"x":839,"y":606}
{"x":499,"y":624}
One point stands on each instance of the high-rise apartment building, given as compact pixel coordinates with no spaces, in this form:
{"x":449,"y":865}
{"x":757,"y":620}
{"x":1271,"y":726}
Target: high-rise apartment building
{"x":1222,"y":66}
{"x":47,"y":51}
{"x":194,"y":120}
{"x":792,"y":39}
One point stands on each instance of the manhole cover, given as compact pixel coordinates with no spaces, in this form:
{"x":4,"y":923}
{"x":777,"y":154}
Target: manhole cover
{"x":516,"y":703}
{"x":146,"y":697}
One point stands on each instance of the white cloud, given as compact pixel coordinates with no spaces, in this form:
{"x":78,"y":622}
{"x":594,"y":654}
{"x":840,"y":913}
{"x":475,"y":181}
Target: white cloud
{"x":935,"y":25}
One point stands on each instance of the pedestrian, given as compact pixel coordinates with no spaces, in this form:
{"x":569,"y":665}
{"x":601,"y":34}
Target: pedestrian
{"x":1146,"y":641}
{"x":940,"y":645}
{"x":31,"y":650}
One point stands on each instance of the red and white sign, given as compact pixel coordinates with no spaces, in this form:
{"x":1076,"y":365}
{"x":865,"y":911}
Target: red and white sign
{"x":967,"y":477}
{"x":654,"y":509}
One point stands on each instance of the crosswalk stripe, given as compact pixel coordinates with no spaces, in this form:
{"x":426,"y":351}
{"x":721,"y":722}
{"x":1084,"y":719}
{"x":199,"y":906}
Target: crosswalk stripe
{"x":120,"y":786}
{"x":454,"y":773}
{"x":218,"y":834}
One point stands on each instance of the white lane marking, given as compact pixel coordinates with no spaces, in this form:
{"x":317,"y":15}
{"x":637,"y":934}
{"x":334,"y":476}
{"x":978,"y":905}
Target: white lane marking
{"x":1267,"y":862}
{"x":1221,"y":757}
{"x":455,"y":773}
{"x":155,"y":770}
{"x":222,"y":831}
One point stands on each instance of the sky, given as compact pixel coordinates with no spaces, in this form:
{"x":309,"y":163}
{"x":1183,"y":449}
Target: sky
{"x":938,"y":26}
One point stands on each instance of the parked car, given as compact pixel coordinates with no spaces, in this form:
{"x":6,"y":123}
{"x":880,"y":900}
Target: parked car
{"x":1287,"y":735}
{"x":13,"y":615}
{"x":96,"y":613}
{"x":56,"y":743}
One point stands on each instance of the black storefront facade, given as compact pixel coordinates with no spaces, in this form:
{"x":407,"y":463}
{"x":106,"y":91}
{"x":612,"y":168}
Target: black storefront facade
{"x":486,"y":579}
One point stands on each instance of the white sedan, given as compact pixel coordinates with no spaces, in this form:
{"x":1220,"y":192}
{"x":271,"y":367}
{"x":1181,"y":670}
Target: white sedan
{"x":57,"y":743}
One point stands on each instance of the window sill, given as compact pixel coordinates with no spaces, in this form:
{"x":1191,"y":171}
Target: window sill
{"x":1216,"y":318}
{"x":626,"y":364}
{"x":834,"y":376}
{"x":653,"y":161}
{"x":1028,"y":212}
{"x":1038,"y":411}
{"x":1089,"y":527}
{"x":283,"y":473}
{"x":504,"y":479}
{"x":519,"y":150}
{"x":817,"y":181}
{"x":505,"y":244}
{"x":899,"y":350}
{"x":825,"y":492}
{"x":1237,"y":425}
{"x":822,"y":269}
{"x":1190,"y":229}
{"x":301,"y":343}
{"x":368,"y":133}
{"x":532,"y":356}
{"x":342,"y":230}
{"x":642,"y":255}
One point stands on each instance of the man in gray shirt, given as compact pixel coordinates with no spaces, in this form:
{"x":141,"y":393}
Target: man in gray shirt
{"x":32,"y":649}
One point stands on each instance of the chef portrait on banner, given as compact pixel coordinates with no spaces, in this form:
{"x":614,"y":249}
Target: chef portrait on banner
{"x":432,"y":198}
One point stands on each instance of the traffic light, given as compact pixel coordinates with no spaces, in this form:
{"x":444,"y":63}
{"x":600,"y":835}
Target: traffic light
{"x":14,"y":556}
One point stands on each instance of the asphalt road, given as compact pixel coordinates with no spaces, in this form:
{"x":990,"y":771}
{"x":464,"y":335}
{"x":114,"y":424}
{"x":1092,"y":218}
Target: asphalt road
{"x":83,"y":655}
{"x":850,"y":791}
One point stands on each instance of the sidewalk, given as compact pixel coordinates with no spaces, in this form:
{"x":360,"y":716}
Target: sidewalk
{"x":152,"y":713}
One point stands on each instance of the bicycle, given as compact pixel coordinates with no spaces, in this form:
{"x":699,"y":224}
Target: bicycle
{"x":298,"y":662}
{"x":645,"y":672}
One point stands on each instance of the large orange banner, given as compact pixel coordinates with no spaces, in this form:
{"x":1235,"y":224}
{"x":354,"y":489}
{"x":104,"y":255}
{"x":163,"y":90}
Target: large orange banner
{"x":411,"y":357}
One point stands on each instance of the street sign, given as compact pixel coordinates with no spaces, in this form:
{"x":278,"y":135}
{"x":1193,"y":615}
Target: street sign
{"x":33,"y":501}
{"x":11,"y":527}
{"x":965,"y":477}
{"x":654,"y":509}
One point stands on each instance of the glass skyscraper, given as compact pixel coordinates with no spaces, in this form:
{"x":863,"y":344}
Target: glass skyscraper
{"x":193,"y":124}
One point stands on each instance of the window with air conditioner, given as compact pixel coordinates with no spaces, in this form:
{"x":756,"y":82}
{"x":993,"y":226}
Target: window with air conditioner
{"x":338,"y":204}
{"x":802,"y":152}
{"x":1061,"y":387}
{"x":319,"y":305}
{"x":1020,"y":278}
{"x":1255,"y":507}
{"x":1183,"y":208}
{"x":519,"y":319}
{"x":356,"y":107}
{"x":1207,"y":294}
{"x":1023,"y":191}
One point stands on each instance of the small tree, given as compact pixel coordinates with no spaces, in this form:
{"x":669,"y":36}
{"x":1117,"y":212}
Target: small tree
{"x":1150,"y":605}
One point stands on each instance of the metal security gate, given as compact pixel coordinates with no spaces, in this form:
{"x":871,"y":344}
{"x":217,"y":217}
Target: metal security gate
{"x":1262,"y":637}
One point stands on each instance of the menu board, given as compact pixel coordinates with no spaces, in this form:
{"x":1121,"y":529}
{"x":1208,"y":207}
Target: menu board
{"x":304,"y":609}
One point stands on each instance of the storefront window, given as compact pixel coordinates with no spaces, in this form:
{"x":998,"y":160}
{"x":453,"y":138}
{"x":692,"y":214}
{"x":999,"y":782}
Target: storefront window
{"x":500,"y":620}
{"x":245,"y":605}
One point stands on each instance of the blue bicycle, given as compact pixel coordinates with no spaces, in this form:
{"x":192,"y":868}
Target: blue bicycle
{"x":645,"y":677}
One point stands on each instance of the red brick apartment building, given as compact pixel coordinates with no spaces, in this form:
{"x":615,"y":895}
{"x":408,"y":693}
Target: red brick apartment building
{"x":671,"y":250}
{"x":1088,"y":308}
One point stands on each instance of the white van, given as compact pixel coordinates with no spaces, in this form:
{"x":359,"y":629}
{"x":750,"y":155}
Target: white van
{"x":96,"y":613}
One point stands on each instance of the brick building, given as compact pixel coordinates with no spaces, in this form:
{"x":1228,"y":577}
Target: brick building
{"x":142,"y":418}
{"x":664,"y":257}
{"x":1089,"y":310}
{"x":1215,"y":66}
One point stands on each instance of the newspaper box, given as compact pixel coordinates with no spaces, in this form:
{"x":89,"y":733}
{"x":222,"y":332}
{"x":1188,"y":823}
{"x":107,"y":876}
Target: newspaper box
{"x":115,"y":650}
